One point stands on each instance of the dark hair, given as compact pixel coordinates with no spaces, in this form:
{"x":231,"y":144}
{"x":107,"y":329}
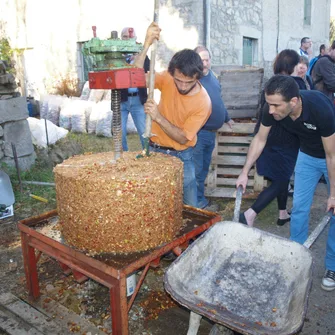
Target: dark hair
{"x":303,"y":40}
{"x":286,"y":86}
{"x":201,"y":48}
{"x":285,"y":62}
{"x":188,"y":62}
{"x":322,"y":47}
{"x":333,"y":45}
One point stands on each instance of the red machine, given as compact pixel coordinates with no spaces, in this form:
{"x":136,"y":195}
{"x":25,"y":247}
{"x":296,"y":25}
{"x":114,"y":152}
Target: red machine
{"x":117,"y":79}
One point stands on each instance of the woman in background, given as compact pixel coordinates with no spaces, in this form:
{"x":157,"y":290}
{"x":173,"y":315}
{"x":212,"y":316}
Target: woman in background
{"x":300,"y":75}
{"x":277,"y":161}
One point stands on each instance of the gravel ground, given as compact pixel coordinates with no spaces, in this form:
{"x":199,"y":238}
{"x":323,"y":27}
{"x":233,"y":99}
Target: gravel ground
{"x":154,"y":312}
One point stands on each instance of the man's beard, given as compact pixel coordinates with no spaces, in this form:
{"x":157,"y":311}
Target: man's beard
{"x":185,"y":92}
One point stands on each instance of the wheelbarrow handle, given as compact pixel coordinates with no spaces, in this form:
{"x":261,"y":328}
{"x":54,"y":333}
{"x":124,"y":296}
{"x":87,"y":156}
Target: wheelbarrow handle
{"x":238,"y":201}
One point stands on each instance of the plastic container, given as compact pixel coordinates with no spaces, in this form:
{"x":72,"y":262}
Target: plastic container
{"x":30,"y":107}
{"x":131,"y":284}
{"x":6,"y":190}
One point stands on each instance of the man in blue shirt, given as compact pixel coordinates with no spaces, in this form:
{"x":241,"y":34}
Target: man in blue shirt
{"x":306,"y":48}
{"x":206,"y":136}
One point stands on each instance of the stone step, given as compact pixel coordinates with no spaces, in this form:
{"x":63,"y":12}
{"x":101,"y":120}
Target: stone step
{"x":42,"y":317}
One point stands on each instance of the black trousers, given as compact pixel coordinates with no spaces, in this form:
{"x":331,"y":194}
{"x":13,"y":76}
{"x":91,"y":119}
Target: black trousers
{"x":278,"y":189}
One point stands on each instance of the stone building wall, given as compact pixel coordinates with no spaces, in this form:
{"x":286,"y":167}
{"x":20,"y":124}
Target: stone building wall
{"x":48,"y":33}
{"x":191,"y":14}
{"x":230,"y":20}
{"x":14,"y":129}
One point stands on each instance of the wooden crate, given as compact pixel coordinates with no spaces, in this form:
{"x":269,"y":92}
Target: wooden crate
{"x":227,"y":161}
{"x":241,"y":89}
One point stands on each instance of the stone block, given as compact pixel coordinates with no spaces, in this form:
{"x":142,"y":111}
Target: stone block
{"x":25,"y":162}
{"x":19,"y":134}
{"x":13,"y":109}
{"x":2,"y":154}
{"x":7,"y":78}
{"x":1,"y":131}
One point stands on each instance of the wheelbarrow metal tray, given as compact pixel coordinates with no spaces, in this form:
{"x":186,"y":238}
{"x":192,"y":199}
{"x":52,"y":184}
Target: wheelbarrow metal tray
{"x":251,"y":281}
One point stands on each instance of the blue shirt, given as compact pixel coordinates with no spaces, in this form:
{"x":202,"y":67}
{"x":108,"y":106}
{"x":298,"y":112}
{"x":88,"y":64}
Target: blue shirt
{"x":219,"y":112}
{"x":302,"y":52}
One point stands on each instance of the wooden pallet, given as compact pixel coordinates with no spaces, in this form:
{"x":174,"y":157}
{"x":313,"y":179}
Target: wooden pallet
{"x":227,"y":161}
{"x":241,"y":89}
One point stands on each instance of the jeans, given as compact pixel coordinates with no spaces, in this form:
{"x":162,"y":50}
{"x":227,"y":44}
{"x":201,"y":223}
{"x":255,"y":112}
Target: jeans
{"x":190,"y":184}
{"x":202,"y":159}
{"x":135,"y":108}
{"x":307,"y":174}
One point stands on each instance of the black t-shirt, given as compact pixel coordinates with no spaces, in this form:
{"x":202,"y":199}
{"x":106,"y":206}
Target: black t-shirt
{"x":316,"y":120}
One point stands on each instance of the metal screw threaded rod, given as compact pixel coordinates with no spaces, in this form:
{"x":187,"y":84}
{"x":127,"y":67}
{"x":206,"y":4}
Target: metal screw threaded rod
{"x":116,"y":123}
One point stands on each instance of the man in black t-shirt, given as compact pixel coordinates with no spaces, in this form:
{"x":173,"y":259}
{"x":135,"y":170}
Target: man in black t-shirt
{"x":310,"y":115}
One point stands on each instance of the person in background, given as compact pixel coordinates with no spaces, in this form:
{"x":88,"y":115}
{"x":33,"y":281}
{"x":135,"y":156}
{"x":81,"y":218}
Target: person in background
{"x":277,"y":161}
{"x":311,"y":116}
{"x":303,"y":80}
{"x":323,"y":74}
{"x":206,"y":136}
{"x":323,"y":51}
{"x":133,"y":99}
{"x":306,"y":48}
{"x":183,"y":109}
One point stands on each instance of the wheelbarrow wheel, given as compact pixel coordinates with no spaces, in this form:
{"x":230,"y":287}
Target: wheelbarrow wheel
{"x":221,"y":330}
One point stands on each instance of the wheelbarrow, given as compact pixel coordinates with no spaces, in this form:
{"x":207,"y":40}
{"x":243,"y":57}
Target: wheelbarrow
{"x":246,"y":279}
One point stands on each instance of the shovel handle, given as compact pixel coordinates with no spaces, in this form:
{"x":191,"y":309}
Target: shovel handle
{"x":318,"y":230}
{"x":148,"y":121}
{"x":238,"y":201}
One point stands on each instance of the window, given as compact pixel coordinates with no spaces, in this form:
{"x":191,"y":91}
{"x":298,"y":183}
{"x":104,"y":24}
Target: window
{"x":307,"y":12}
{"x":250,"y":56}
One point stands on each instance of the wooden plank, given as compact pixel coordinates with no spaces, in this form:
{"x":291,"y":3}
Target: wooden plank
{"x":229,"y":192}
{"x":211,"y":177}
{"x":232,"y":171}
{"x":54,"y":309}
{"x":239,"y":103}
{"x":242,"y":113}
{"x":235,"y":149}
{"x":231,"y":182}
{"x":14,"y":326}
{"x":237,"y":127}
{"x":240,"y":89}
{"x":26,"y":319}
{"x":40,"y":317}
{"x":234,"y":139}
{"x":223,"y":68}
{"x":229,"y":160}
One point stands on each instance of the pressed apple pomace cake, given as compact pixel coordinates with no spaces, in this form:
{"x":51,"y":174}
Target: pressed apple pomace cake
{"x":125,"y":206}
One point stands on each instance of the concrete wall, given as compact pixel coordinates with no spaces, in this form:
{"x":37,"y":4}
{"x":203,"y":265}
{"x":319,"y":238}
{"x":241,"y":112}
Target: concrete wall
{"x":288,"y":27}
{"x":47,"y":32}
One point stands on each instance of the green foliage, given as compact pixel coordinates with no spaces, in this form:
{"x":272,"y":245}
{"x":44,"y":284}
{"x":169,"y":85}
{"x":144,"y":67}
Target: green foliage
{"x":332,"y":30}
{"x":6,"y":54}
